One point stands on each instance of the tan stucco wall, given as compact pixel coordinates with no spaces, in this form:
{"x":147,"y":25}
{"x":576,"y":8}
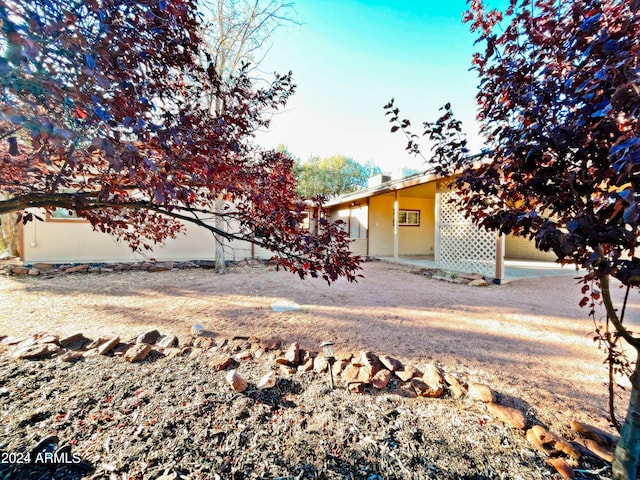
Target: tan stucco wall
{"x":381,"y":226}
{"x":521,"y":248}
{"x":76,"y":241}
{"x":412,"y":240}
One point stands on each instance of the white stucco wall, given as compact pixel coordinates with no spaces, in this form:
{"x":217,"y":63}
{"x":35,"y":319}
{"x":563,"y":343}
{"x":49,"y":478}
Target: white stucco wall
{"x":76,"y":241}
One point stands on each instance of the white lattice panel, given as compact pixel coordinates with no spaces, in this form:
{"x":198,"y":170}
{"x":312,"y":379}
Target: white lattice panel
{"x":463,"y":246}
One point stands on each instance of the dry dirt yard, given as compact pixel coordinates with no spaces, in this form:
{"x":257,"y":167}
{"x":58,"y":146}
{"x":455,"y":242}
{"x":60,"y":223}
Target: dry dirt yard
{"x":527,"y":339}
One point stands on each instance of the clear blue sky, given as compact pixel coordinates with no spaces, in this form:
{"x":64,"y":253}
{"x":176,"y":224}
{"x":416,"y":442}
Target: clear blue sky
{"x":349,"y":57}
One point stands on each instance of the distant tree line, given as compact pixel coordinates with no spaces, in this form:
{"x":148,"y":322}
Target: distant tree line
{"x":332,"y":176}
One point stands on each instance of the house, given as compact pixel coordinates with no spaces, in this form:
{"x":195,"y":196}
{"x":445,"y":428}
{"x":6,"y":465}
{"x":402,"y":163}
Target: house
{"x":411,"y":216}
{"x":407,"y":215}
{"x":64,"y":238}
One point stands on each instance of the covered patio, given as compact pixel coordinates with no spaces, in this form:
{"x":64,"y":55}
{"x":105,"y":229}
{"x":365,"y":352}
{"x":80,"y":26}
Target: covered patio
{"x":514,"y":269}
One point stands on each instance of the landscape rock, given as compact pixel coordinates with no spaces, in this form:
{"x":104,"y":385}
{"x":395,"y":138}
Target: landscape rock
{"x":236,"y":382}
{"x":549,"y":442}
{"x":34,"y":272}
{"x":293,"y":353}
{"x":343,"y":356}
{"x":172,"y":352}
{"x":478,"y":283}
{"x":356,"y":387}
{"x":432,"y":376}
{"x":339,"y":366}
{"x":391,"y":363}
{"x":407,"y":373}
{"x":192,"y":352}
{"x":121,"y":348}
{"x":320,"y":364}
{"x":106,"y":347}
{"x":267,"y":381}
{"x":456,"y":387}
{"x":149,"y":337}
{"x":167,"y":341}
{"x":161,"y":267}
{"x":596,"y":449}
{"x":204,"y":343}
{"x":563,"y":468}
{"x":366,"y":374}
{"x":287,"y":370}
{"x":273,"y":343}
{"x":197,"y":330}
{"x":243,"y":356}
{"x":424,"y":390}
{"x":77,"y":269}
{"x":371,"y":361}
{"x":30,"y":340}
{"x":48,"y":338}
{"x":480,"y":392}
{"x":93,"y":352}
{"x":509,"y":415}
{"x":36,"y":351}
{"x":220,"y":362}
{"x":307,"y":365}
{"x":70,"y":356}
{"x":96,"y":343}
{"x":282,"y":361}
{"x":138,"y":352}
{"x":66,"y":341}
{"x":381,"y":379}
{"x":20,"y":270}
{"x":350,"y":373}
{"x":43,"y":266}
{"x":79,"y":344}
{"x":594,"y":433}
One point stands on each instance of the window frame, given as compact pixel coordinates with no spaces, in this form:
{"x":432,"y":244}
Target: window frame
{"x":407,"y":213}
{"x":71,"y":216}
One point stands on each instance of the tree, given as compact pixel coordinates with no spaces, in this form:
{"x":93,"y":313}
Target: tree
{"x":332,"y":176}
{"x":236,"y":33}
{"x":101,"y":113}
{"x":558,"y":101}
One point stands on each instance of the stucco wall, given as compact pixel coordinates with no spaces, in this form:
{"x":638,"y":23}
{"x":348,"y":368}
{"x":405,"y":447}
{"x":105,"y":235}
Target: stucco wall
{"x":522,"y":248}
{"x":381,"y":226}
{"x":412,"y":240}
{"x":76,"y":241}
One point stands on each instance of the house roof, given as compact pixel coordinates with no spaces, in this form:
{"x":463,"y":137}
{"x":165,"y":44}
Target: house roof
{"x":420,"y":178}
{"x":386,"y":187}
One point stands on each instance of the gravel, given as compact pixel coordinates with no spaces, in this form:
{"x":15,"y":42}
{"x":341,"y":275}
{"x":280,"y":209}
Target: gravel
{"x":176,"y":418}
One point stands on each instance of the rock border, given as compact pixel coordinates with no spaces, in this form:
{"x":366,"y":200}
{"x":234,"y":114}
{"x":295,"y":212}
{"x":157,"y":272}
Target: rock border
{"x":48,"y":270}
{"x":357,"y":372}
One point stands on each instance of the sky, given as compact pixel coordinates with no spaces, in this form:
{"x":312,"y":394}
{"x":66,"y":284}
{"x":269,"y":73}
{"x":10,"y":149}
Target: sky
{"x":350,"y":57}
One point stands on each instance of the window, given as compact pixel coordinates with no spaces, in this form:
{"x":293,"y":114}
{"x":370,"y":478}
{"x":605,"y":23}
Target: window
{"x":63,"y":214}
{"x":409,"y":218}
{"x":358,"y":219}
{"x":306,"y":221}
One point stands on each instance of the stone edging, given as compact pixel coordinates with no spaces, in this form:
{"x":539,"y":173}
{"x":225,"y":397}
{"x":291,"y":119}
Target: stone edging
{"x":355,"y":372}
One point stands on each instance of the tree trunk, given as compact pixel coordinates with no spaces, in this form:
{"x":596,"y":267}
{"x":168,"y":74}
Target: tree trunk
{"x":625,"y":462}
{"x":9,"y":234}
{"x":221,"y":264}
{"x":625,"y":459}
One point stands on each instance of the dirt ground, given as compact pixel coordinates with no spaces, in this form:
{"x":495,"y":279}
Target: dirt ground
{"x":528,"y":339}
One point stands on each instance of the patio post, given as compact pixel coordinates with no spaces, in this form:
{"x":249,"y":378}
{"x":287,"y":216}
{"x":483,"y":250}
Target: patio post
{"x":396,"y":221}
{"x":499,"y":258}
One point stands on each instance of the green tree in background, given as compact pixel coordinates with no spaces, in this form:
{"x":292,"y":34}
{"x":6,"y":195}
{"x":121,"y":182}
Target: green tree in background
{"x":332,"y":176}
